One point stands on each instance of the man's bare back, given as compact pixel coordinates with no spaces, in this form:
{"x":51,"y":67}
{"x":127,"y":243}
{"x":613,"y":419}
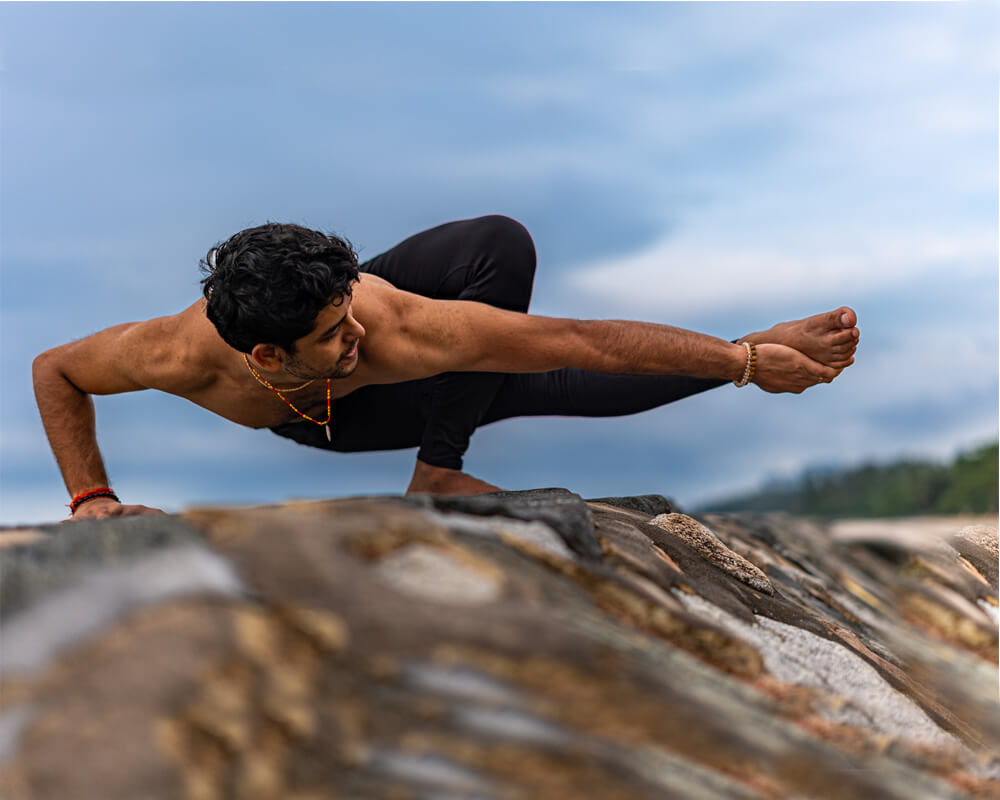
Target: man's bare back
{"x":379,"y":334}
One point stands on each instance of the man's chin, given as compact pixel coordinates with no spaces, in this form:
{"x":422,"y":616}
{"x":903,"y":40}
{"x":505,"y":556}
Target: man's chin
{"x":342,"y":369}
{"x":345,"y":370}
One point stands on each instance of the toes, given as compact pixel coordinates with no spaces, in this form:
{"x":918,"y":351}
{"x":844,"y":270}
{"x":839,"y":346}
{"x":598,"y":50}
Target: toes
{"x":841,"y":338}
{"x":846,"y":318}
{"x":843,"y":318}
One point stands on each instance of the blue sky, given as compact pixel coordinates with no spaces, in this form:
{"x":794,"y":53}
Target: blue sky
{"x":715,"y":166}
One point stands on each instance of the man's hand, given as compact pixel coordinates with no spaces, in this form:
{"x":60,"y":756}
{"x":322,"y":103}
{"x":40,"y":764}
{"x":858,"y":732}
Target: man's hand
{"x":784,"y":369}
{"x":103,"y":507}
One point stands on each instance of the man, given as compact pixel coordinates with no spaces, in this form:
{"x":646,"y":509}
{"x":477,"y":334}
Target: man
{"x":414,"y":348}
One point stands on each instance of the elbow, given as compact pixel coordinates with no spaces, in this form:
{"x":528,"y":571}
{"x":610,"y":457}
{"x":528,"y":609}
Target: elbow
{"x":42,"y":364}
{"x":46,"y":366}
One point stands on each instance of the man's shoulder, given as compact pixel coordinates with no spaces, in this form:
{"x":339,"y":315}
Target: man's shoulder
{"x":176,"y":353}
{"x":368,"y":279}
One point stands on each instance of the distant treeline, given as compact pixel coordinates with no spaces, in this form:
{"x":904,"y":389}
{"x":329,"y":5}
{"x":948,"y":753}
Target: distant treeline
{"x":905,"y":488}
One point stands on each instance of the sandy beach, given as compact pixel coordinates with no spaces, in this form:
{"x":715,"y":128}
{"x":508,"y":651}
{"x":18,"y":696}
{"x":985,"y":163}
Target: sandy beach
{"x":909,"y":531}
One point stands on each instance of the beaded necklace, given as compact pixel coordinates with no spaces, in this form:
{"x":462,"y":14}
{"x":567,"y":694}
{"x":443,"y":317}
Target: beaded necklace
{"x":264,"y":382}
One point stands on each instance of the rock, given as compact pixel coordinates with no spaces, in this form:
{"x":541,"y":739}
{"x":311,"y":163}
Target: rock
{"x":707,"y":544}
{"x":978,"y":545}
{"x":562,"y":510}
{"x":651,"y":504}
{"x":434,"y":574}
{"x":519,"y":645}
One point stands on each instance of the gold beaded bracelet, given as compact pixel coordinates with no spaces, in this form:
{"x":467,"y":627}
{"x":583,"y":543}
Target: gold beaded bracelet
{"x":751,"y":367}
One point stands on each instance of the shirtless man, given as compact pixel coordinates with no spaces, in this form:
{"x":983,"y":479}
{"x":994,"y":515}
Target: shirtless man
{"x":416,"y":347}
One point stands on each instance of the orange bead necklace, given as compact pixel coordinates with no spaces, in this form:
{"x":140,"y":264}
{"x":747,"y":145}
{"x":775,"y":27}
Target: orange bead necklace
{"x":263,"y":381}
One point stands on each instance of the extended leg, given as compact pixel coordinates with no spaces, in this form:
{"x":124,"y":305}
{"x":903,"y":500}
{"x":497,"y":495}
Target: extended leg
{"x":581,"y":393}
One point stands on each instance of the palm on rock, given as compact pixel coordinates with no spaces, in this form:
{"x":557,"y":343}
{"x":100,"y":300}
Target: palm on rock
{"x":106,"y":507}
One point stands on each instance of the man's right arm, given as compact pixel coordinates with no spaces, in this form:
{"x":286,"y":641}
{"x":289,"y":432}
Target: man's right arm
{"x":111,"y":361}
{"x":466,"y":336}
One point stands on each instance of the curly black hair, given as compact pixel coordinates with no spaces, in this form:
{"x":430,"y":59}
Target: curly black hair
{"x":267,"y":284}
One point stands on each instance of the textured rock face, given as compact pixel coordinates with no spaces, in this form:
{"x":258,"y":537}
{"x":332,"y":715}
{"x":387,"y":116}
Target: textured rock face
{"x":520,"y":645}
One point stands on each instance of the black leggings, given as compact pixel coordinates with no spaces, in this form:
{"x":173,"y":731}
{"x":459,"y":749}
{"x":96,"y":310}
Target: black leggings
{"x":489,"y":260}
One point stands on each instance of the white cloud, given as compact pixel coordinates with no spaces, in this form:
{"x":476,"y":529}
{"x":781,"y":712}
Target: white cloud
{"x":702,"y":272}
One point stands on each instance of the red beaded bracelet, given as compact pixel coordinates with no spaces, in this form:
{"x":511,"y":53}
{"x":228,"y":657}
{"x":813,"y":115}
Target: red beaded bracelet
{"x":93,"y":494}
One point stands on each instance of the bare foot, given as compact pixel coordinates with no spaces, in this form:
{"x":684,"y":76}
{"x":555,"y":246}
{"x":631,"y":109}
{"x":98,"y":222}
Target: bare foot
{"x":439,"y":480}
{"x":830,"y":338}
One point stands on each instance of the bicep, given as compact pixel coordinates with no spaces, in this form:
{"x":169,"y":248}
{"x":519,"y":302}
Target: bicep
{"x":111,"y":361}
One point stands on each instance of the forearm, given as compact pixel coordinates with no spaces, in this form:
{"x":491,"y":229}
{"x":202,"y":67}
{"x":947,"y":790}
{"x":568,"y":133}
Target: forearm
{"x":463,"y":336}
{"x":68,"y":417}
{"x":503,"y":341}
{"x":646,"y":348}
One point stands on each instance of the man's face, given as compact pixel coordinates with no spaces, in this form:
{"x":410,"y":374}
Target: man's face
{"x":330,"y":350}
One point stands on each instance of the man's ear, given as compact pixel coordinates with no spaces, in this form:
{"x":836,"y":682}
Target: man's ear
{"x":268,"y":356}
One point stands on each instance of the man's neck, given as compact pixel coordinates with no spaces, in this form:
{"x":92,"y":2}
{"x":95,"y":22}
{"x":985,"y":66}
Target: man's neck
{"x":279,"y":381}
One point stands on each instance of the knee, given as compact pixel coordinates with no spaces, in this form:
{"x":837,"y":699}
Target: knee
{"x":507,"y":238}
{"x":512,"y":250}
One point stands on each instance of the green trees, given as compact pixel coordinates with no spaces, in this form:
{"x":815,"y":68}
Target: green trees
{"x":904,"y":488}
{"x":973,"y":484}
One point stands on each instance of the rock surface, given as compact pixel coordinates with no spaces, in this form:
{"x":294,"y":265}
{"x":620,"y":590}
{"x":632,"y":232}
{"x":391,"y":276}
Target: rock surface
{"x":517,"y":645}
